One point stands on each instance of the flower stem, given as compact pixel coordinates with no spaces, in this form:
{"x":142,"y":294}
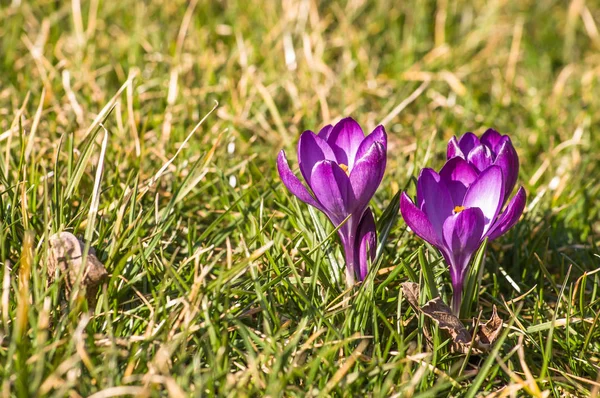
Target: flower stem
{"x":349,"y":256}
{"x":456,"y":299}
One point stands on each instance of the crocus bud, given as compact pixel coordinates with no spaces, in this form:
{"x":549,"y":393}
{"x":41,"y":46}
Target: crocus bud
{"x":491,"y":149}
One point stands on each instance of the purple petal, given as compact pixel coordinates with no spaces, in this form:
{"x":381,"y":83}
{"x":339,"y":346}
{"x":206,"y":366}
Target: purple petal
{"x":508,"y":160}
{"x":378,"y":135}
{"x":366,"y":244}
{"x":292,"y":183}
{"x":510,"y":216}
{"x":331,"y":187}
{"x":367,"y":174}
{"x":436,"y":201}
{"x":345,"y":138}
{"x":462,"y":237}
{"x":487,"y":194}
{"x":453,"y":149}
{"x":418,"y":221}
{"x":491,"y":138}
{"x":312,"y":149}
{"x":458,"y":175}
{"x":420,"y":193}
{"x":467,"y":142}
{"x":481,"y":157}
{"x":325,"y":131}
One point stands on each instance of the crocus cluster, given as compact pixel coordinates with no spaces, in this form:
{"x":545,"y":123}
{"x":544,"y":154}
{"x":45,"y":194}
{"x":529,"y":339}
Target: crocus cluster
{"x":342,"y":170}
{"x":463,"y":204}
{"x":455,"y":210}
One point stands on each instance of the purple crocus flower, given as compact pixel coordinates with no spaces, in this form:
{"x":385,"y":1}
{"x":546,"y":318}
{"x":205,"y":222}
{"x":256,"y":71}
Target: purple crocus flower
{"x":492,"y":149}
{"x":342,"y":169}
{"x":462,"y":205}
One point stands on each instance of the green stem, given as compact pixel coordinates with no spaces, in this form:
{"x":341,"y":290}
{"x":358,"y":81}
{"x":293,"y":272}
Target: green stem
{"x":456,"y":299}
{"x":349,"y":256}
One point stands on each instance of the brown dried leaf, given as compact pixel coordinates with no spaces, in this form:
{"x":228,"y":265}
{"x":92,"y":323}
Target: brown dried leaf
{"x":411,"y":291}
{"x":66,"y":255}
{"x":437,"y":311}
{"x":442,"y":315}
{"x":488,"y":332}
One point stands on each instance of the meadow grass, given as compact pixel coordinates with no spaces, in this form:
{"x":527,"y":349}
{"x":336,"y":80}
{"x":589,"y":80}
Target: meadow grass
{"x":150,"y":129}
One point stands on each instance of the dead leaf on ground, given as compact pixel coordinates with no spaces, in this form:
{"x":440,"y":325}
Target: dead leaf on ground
{"x":488,"y":332}
{"x":411,"y":292}
{"x":441,"y":314}
{"x":438,"y":312}
{"x":66,"y":256}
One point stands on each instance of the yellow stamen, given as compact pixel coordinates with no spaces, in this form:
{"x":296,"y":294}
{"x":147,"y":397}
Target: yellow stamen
{"x":458,"y":209}
{"x":345,"y":168}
